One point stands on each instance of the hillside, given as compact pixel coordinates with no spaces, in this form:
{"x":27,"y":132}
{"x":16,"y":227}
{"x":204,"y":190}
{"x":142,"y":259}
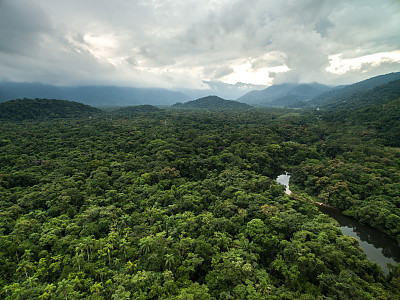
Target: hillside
{"x":339,"y":95}
{"x":213,"y":103}
{"x":39,"y":109}
{"x":384,"y":119}
{"x":92,"y":95}
{"x":284,"y":94}
{"x":377,"y":109}
{"x":377,"y":95}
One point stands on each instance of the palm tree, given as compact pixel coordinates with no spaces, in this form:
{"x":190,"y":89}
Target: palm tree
{"x":97,"y":287}
{"x":78,"y":259}
{"x":108,"y":247}
{"x":65,"y":287}
{"x":169,"y":261}
{"x":145,"y":244}
{"x":124,"y":243}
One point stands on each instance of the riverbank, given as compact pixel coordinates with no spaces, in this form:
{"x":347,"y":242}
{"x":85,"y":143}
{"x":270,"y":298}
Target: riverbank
{"x":377,"y":245}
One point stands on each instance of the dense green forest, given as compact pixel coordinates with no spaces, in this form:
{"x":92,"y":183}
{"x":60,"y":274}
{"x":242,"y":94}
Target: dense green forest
{"x":164,"y":203}
{"x":41,"y":109}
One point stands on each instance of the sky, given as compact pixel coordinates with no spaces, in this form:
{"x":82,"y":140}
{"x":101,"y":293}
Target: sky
{"x":186,"y":43}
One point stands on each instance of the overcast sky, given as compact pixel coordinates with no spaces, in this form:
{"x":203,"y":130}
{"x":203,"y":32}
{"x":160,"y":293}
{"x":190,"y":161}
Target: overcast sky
{"x":181,"y":43}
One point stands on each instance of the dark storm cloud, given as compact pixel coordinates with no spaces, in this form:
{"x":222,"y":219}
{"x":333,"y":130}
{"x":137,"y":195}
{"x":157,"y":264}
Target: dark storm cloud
{"x":22,"y":26}
{"x":181,"y":43}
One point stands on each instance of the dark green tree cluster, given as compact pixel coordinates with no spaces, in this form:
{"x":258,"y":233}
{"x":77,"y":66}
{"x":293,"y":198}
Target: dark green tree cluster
{"x":178,"y":205}
{"x":365,"y":186}
{"x":41,"y":109}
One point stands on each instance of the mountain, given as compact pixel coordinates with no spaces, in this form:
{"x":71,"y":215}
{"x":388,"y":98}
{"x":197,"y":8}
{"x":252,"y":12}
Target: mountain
{"x":377,"y":109}
{"x":329,"y":98}
{"x":213,"y":102}
{"x":377,"y":95}
{"x":284,"y":94}
{"x":37,"y":109}
{"x":92,"y":95}
{"x":385,"y":119}
{"x":222,"y":89}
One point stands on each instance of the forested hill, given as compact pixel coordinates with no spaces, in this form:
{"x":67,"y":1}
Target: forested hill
{"x":384,"y":119}
{"x":36,"y":109}
{"x":338,"y":95}
{"x":284,"y":94}
{"x":212,"y":103}
{"x":378,"y":95}
{"x":377,"y":109}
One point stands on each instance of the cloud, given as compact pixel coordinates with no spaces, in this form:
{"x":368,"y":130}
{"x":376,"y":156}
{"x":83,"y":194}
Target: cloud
{"x":23,"y":26}
{"x":181,"y":43}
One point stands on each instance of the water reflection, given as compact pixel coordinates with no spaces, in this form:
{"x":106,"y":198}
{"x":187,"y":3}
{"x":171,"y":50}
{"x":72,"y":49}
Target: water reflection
{"x":379,"y":247}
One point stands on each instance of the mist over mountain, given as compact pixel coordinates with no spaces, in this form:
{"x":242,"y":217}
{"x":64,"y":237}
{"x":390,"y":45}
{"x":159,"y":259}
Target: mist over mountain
{"x":284,"y":94}
{"x":222,"y":89}
{"x":92,"y":95}
{"x":121,"y":96}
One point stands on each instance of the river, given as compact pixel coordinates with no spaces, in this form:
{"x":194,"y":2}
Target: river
{"x":284,"y":179}
{"x":379,"y":247}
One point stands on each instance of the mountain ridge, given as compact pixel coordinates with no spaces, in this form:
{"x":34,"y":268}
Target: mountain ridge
{"x":284,"y":94}
{"x":377,"y":95}
{"x":341,"y":94}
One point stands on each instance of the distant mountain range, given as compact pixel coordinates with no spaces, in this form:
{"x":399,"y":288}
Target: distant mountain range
{"x":92,"y":95}
{"x":284,"y":94}
{"x":313,"y":95}
{"x":223,"y":90}
{"x":372,"y":102}
{"x":213,"y":103}
{"x":103,"y":96}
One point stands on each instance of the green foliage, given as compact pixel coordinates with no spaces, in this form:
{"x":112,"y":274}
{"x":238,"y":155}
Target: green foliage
{"x":40,"y":109}
{"x":136,"y":110}
{"x":182,"y":205}
{"x":378,"y":95}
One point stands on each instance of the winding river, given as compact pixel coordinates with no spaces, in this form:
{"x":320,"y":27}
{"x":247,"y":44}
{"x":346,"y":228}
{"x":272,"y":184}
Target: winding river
{"x":379,"y":247}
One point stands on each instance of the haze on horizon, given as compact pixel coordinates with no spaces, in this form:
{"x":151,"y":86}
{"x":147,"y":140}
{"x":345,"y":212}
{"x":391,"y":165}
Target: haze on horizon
{"x":181,"y":44}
